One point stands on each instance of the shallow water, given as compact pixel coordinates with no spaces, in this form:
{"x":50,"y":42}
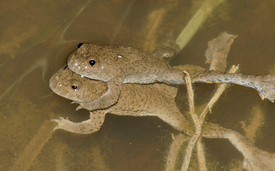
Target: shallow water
{"x":36,"y":39}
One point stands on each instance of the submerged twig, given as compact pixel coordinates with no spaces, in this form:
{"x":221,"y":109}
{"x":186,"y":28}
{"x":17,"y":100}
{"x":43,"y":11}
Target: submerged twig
{"x":257,"y":117}
{"x":25,"y":160}
{"x":199,"y":122}
{"x":216,"y":96}
{"x":99,"y":163}
{"x":201,"y":156}
{"x":173,"y":152}
{"x":60,"y":156}
{"x":220,"y":90}
{"x":195,"y":118}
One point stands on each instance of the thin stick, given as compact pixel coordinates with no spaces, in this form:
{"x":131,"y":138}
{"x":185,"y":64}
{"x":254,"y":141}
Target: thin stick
{"x":201,"y":156}
{"x":195,"y":137}
{"x":220,"y":90}
{"x":173,"y":152}
{"x":190,"y":94}
{"x":216,"y":96}
{"x":198,"y":122}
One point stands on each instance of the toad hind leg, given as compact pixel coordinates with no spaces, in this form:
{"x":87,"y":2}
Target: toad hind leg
{"x":177,"y":120}
{"x":85,"y":127}
{"x":264,"y":84}
{"x":106,"y":100}
{"x":255,"y":158}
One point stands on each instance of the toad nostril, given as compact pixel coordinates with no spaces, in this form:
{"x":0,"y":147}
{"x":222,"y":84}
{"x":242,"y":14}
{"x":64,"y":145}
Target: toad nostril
{"x":79,"y":45}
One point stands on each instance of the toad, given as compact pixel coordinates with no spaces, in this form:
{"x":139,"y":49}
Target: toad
{"x":117,"y":65}
{"x":146,"y":100}
{"x":135,"y":100}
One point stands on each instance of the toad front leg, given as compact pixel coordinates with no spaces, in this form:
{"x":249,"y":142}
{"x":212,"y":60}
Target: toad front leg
{"x":106,"y":100}
{"x":86,"y":127}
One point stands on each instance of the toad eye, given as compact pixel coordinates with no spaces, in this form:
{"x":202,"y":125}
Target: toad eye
{"x":92,"y":62}
{"x":74,"y":87}
{"x":79,"y":45}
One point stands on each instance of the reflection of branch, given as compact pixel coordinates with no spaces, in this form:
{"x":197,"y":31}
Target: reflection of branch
{"x":25,"y":160}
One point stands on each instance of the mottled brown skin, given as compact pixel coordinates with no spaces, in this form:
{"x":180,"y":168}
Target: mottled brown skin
{"x":135,"y":100}
{"x":118,"y":61}
{"x":118,"y":64}
{"x":149,"y":100}
{"x":68,"y":84}
{"x":255,"y":159}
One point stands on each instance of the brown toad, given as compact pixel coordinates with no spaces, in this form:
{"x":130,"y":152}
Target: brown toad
{"x":135,"y":100}
{"x":117,"y":65}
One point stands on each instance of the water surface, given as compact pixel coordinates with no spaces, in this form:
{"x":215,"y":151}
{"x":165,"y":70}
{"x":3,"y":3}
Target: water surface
{"x":37,"y":37}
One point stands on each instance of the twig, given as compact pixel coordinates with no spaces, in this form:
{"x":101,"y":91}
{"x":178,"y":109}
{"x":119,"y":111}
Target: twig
{"x":199,"y":122}
{"x":195,"y":137}
{"x":173,"y":152}
{"x":200,"y":155}
{"x":216,"y":96}
{"x":220,"y":90}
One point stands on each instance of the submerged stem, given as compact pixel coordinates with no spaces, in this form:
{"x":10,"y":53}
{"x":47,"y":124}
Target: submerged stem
{"x":196,"y":21}
{"x":195,"y":137}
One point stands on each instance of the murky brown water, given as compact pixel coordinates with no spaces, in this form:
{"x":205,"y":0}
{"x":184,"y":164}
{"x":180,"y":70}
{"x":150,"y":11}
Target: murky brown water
{"x":36,"y":39}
